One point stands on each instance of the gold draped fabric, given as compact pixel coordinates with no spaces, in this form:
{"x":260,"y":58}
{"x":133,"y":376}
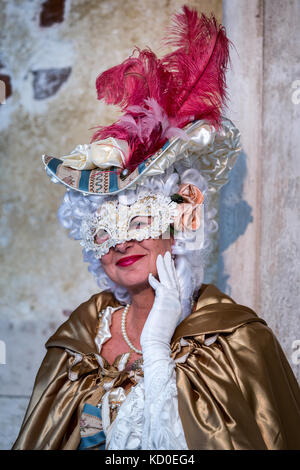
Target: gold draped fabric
{"x":237,"y":393}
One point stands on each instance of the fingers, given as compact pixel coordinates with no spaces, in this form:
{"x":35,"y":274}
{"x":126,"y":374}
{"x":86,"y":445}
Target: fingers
{"x":154,"y":283}
{"x":169,"y":263}
{"x":166,"y":272}
{"x":175,"y":275}
{"x":163,"y":272}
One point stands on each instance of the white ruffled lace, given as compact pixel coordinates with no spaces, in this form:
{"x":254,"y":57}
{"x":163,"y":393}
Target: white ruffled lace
{"x":150,"y":420}
{"x":146,"y":419}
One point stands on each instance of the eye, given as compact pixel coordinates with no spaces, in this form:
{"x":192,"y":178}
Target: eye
{"x":139,"y":222}
{"x":101,"y":236}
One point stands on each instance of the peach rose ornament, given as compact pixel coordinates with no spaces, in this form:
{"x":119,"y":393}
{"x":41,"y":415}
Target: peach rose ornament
{"x":189,"y":211}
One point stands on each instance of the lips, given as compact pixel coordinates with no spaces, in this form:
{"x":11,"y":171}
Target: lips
{"x":129,"y":260}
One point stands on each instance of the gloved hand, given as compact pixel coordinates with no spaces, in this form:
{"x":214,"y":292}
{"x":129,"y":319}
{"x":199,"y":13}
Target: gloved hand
{"x":164,"y":315}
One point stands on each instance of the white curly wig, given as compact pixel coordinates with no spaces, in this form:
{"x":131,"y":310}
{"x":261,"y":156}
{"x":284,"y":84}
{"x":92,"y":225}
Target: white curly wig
{"x":189,"y":263}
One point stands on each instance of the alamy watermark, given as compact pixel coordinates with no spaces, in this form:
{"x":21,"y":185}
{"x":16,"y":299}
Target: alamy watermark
{"x":2,"y":352}
{"x":296,"y":93}
{"x":296,"y":352}
{"x":2,"y":92}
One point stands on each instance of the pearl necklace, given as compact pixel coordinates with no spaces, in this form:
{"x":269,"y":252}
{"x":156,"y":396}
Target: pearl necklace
{"x":125,"y":311}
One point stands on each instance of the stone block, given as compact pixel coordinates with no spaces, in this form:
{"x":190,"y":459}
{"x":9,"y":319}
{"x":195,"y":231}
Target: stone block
{"x":47,"y":82}
{"x":12,"y":413}
{"x":7,"y":85}
{"x":52,"y":12}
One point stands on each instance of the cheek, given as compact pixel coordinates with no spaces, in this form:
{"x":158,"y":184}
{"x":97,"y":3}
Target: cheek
{"x":156,"y":247}
{"x":106,"y":262}
{"x":159,"y":246}
{"x":110,"y":271}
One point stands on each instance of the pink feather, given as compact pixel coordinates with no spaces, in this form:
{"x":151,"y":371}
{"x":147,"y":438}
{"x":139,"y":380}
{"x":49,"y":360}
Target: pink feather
{"x":198,"y":66}
{"x":145,"y":128}
{"x":135,"y":80}
{"x":160,"y":96}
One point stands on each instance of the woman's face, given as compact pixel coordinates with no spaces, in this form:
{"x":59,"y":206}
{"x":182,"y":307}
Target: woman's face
{"x":132,"y":273}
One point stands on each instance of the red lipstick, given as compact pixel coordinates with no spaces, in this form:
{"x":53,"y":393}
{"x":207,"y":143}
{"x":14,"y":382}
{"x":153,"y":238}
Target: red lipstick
{"x":128,"y":260}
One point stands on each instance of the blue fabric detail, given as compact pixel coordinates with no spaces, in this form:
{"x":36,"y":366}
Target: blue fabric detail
{"x":113,"y":180}
{"x":97,"y":439}
{"x":92,"y":441}
{"x":84,"y":180}
{"x":53,"y":164}
{"x":141,"y":167}
{"x":166,"y":145}
{"x":92,"y":410}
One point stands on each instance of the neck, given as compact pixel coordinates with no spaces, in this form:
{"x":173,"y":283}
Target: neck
{"x":141,"y":304}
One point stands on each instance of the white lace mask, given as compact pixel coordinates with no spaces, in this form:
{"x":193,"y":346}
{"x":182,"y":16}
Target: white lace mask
{"x":113,"y":223}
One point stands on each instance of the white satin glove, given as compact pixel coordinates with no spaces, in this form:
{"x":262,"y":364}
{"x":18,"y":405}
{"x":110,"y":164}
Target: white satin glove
{"x":165,"y":313}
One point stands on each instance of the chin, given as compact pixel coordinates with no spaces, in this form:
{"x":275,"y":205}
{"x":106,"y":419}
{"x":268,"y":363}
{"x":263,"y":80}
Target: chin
{"x":135,"y":281}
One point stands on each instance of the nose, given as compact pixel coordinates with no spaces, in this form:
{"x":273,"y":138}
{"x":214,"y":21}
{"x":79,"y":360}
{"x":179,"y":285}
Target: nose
{"x":122,"y":247}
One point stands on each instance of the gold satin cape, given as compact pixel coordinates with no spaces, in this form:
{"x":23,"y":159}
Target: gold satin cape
{"x":237,"y":393}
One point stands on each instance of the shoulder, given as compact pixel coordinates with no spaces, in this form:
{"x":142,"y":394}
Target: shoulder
{"x":238,"y":325}
{"x":79,"y":331}
{"x":242,"y":335}
{"x":209,"y":294}
{"x":215,"y":312}
{"x":257,"y":337}
{"x":87,"y":312}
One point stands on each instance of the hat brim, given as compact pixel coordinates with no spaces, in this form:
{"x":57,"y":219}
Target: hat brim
{"x":222,"y":146}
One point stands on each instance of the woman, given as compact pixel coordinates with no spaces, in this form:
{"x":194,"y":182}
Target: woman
{"x":157,"y":359}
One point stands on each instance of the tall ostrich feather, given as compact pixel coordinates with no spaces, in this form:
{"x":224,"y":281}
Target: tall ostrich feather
{"x":198,"y":67}
{"x":160,"y":96}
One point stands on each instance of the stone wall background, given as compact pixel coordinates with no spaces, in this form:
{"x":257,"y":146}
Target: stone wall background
{"x":51,"y":53}
{"x":259,"y":247}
